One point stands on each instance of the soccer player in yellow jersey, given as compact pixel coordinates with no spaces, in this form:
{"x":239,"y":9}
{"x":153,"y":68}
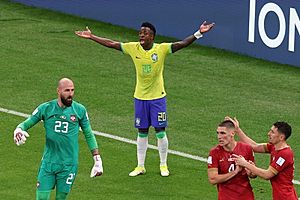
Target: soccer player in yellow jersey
{"x":149,"y":95}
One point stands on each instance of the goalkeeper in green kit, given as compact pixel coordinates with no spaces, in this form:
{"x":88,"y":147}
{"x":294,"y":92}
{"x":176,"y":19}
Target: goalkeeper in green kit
{"x":62,"y":118}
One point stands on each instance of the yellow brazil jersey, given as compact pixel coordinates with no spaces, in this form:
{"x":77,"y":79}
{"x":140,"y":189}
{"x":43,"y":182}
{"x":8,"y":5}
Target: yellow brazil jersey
{"x":149,"y":66}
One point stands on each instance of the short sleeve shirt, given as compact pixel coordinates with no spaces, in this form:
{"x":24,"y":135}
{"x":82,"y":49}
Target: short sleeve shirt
{"x":239,"y":186}
{"x":282,"y":164}
{"x":149,"y":67}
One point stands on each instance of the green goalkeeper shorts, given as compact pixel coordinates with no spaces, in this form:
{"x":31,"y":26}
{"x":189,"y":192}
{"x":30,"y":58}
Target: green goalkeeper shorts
{"x":52,"y":175}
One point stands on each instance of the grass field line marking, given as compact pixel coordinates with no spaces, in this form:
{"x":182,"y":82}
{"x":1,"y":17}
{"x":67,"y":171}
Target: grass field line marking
{"x":14,"y":112}
{"x":126,"y":140}
{"x":122,"y":139}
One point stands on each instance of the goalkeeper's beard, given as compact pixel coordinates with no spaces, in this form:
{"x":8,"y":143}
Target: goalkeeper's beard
{"x":66,"y":101}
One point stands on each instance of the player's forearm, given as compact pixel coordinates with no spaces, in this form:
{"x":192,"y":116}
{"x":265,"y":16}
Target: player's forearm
{"x":220,"y":178}
{"x":184,"y":43}
{"x":265,"y":174}
{"x":28,"y":123}
{"x":90,"y":139}
{"x":189,"y":40}
{"x":257,"y":148}
{"x":244,"y":138}
{"x":106,"y":42}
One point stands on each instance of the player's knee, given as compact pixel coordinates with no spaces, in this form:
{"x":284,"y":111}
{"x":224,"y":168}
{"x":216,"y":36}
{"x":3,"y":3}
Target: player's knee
{"x":160,"y":129}
{"x":161,"y":134}
{"x":142,"y":135}
{"x":143,"y":132}
{"x":43,"y":195}
{"x":61,"y":195}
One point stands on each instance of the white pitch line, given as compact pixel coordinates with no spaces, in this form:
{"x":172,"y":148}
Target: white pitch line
{"x":14,"y":112}
{"x":122,"y":139}
{"x":296,"y":182}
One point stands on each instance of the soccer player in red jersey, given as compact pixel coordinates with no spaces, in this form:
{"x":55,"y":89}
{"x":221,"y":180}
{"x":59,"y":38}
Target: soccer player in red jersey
{"x":281,"y":168}
{"x":232,"y":180}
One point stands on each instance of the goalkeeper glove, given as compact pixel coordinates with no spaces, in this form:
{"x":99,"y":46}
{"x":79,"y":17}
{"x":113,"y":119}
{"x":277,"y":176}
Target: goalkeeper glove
{"x":97,"y":169}
{"x":20,"y":136}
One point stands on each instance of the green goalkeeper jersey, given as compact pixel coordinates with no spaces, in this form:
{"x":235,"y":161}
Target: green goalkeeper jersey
{"x":62,"y":128}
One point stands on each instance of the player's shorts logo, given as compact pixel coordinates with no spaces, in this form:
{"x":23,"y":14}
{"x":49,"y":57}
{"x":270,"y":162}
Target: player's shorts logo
{"x":73,"y":118}
{"x":154,"y":57}
{"x":137,"y":121}
{"x":161,"y":123}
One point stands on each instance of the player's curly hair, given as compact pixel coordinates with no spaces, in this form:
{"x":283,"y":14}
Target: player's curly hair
{"x":149,"y":25}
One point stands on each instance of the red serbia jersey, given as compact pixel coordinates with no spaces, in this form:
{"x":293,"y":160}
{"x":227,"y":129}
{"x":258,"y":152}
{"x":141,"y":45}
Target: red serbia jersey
{"x":282,"y":163}
{"x":239,"y":186}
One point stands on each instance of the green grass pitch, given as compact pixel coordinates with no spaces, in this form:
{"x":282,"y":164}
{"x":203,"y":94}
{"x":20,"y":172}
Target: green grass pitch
{"x":39,"y":47}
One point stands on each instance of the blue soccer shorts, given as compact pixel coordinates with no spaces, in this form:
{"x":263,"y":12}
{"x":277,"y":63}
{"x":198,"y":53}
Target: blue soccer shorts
{"x":150,"y":113}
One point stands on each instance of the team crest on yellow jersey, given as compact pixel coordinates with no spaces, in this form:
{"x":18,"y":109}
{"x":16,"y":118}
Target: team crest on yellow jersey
{"x":154,"y":57}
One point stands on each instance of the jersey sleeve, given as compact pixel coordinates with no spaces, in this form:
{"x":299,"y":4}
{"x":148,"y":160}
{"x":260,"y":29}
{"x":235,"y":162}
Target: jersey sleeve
{"x":212,"y":160}
{"x":127,"y":47}
{"x":36,"y":116}
{"x":167,"y":48}
{"x":87,"y":131}
{"x":268,"y":147}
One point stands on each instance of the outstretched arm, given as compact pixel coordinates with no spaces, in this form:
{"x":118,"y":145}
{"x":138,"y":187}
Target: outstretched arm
{"x":205,"y":27}
{"x":258,"y":148}
{"x":87,"y":34}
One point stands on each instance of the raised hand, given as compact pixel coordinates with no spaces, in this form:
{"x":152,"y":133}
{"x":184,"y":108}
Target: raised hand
{"x":206,"y":27}
{"x":234,"y":121}
{"x":84,"y":34}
